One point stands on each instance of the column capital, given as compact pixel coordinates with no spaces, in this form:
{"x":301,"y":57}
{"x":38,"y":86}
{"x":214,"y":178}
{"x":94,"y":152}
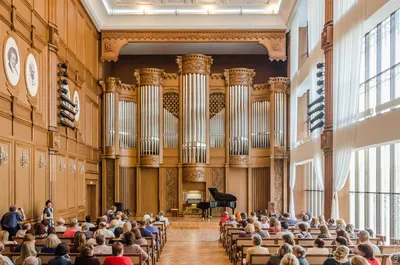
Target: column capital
{"x":327,"y":36}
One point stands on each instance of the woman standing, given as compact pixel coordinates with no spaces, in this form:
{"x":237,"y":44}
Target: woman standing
{"x":47,"y":213}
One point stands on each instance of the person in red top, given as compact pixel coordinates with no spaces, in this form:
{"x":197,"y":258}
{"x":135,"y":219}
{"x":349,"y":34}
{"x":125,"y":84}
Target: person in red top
{"x":118,"y":256}
{"x":366,"y":251}
{"x":224,"y":218}
{"x":72,"y":229}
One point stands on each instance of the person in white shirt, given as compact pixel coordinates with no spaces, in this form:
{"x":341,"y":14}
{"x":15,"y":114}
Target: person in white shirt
{"x":256,"y":249}
{"x":163,"y":218}
{"x":5,"y":258}
{"x":264,"y":222}
{"x":305,"y":220}
{"x":363,"y":238}
{"x":60,"y":226}
{"x":318,"y":247}
{"x":26,"y":227}
{"x":285,"y":227}
{"x":104,"y":231}
{"x":101,"y":247}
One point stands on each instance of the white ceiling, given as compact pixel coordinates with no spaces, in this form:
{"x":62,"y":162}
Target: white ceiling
{"x":187,"y":48}
{"x":189,"y":14}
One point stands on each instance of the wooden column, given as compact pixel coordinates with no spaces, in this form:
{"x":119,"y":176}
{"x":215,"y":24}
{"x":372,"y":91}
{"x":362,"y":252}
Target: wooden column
{"x":327,"y":135}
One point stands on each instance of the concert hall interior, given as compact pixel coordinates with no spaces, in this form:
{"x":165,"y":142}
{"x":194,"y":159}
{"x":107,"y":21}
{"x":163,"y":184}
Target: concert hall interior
{"x":188,"y":114}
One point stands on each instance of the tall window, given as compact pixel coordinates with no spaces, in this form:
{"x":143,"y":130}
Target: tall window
{"x":380,"y":64}
{"x":314,"y":194}
{"x":375,"y":189}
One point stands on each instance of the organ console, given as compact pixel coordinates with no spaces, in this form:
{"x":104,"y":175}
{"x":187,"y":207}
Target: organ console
{"x":192,"y":130}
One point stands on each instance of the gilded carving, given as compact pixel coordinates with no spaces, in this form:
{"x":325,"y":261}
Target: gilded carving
{"x":149,"y":76}
{"x":110,"y":170}
{"x":279,"y":84}
{"x":109,"y":46}
{"x":193,"y":174}
{"x":238,"y":160}
{"x":172,"y":187}
{"x":110,"y":84}
{"x":149,"y":160}
{"x":260,"y":87}
{"x":278,"y":185}
{"x":194,"y":64}
{"x":239,"y":76}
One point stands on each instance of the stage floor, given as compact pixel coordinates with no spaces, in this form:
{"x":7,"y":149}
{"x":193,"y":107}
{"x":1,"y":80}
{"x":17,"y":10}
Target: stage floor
{"x":190,"y":222}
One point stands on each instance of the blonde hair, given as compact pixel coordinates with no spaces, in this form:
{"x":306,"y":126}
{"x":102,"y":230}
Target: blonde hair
{"x":27,"y":250}
{"x":340,"y":223}
{"x":257,"y":226}
{"x":314,"y":222}
{"x":114,"y":223}
{"x":4,"y":236}
{"x":321,"y":219}
{"x":341,"y":252}
{"x":249,"y":229}
{"x":277,"y":224}
{"x":350,"y":228}
{"x":289,"y":259}
{"x":358,"y":260}
{"x":325,"y":231}
{"x":299,"y":250}
{"x":127,"y":227}
{"x":52,"y":241}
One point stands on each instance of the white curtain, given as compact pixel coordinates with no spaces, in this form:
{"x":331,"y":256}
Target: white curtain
{"x":294,"y":58}
{"x":348,"y":21}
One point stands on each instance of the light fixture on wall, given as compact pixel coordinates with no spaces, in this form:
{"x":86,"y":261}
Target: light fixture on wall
{"x":24,"y":160}
{"x":42,"y":161}
{"x":3,"y":156}
{"x":82,"y":170}
{"x":63,"y":166}
{"x":73,"y":168}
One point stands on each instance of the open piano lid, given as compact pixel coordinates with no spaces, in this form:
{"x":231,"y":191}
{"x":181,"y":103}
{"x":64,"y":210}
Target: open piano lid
{"x":219,"y":196}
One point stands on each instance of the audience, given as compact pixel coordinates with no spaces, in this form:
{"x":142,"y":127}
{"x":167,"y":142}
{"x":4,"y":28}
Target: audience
{"x":363,"y":238}
{"x":104,"y":231}
{"x":274,"y":225}
{"x":26,"y":227}
{"x":117,"y":257}
{"x":287,"y":219}
{"x":324,"y":232}
{"x":113,"y":224}
{"x":284,"y":230}
{"x":88,"y":220}
{"x":357,"y":260}
{"x":163,"y":218}
{"x":264,"y":222}
{"x":4,"y":236}
{"x":144,"y":232}
{"x":5,"y":258}
{"x":305,"y":220}
{"x":248,"y":231}
{"x":288,"y":238}
{"x":119,"y":233}
{"x":152,"y":229}
{"x":60,"y":226}
{"x":289,"y":259}
{"x":27,"y":238}
{"x":39,"y":230}
{"x":340,"y":224}
{"x":232,"y":221}
{"x":126,"y":227}
{"x":138,"y":237}
{"x":256,"y":249}
{"x":350,"y":230}
{"x":300,"y":252}
{"x":131,"y":248}
{"x":331,"y":224}
{"x":366,"y":251}
{"x":283,"y":250}
{"x":27,"y":250}
{"x":258,"y":230}
{"x":86,"y":256}
{"x":314,"y":223}
{"x":101,"y":247}
{"x":343,"y":233}
{"x":79,"y":242}
{"x":339,"y":257}
{"x":318,"y":247}
{"x":303,"y":232}
{"x":86,"y":230}
{"x":31,"y":261}
{"x":62,"y":257}
{"x":72,"y":229}
{"x":224,"y":218}
{"x":51,"y":243}
{"x":321,"y":220}
{"x":341,"y":241}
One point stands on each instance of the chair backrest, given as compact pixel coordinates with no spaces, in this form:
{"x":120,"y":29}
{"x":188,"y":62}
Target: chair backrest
{"x":389,"y":249}
{"x":259,"y":259}
{"x":145,"y":248}
{"x":150,"y":242}
{"x":9,"y":247}
{"x":243,"y":241}
{"x":304,"y":241}
{"x":354,"y":240}
{"x":317,"y":259}
{"x":374,"y":241}
{"x":270,"y":241}
{"x":67,"y":240}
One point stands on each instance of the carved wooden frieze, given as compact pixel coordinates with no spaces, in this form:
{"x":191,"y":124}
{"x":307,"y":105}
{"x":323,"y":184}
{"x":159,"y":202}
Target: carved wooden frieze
{"x":193,"y":174}
{"x":239,"y":77}
{"x":149,"y":76}
{"x":278,"y":185}
{"x":238,"y":160}
{"x":279,"y":84}
{"x":194,"y":64}
{"x":150,"y":160}
{"x":172,"y":187}
{"x":110,"y":84}
{"x":110,"y":180}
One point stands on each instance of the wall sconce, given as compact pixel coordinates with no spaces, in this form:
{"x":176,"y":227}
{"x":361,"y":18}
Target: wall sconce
{"x":3,"y":156}
{"x":24,"y":160}
{"x":63,"y":166}
{"x":73,"y":168}
{"x":82,"y":170}
{"x":42,"y":161}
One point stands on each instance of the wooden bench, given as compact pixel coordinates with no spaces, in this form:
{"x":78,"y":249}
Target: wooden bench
{"x":317,"y":259}
{"x":259,"y":259}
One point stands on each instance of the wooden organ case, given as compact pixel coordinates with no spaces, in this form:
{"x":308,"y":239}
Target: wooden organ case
{"x":174,"y":134}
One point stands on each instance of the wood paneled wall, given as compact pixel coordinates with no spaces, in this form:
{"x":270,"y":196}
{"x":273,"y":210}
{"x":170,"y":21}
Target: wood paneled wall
{"x":53,"y":31}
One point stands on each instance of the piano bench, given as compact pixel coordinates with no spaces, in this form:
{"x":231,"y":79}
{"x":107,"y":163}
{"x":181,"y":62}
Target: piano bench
{"x":174,"y":212}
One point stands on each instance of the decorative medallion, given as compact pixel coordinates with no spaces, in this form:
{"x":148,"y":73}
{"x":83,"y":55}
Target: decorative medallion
{"x":31,"y":75}
{"x":77,"y":108}
{"x":12,"y":61}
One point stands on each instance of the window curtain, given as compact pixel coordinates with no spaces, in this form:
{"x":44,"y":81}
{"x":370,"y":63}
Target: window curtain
{"x":348,"y":21}
{"x":294,"y":59}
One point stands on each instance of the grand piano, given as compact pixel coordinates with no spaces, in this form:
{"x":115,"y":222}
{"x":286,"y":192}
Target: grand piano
{"x":221,"y":200}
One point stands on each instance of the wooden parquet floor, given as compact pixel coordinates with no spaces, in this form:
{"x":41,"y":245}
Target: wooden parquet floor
{"x":192,"y":247}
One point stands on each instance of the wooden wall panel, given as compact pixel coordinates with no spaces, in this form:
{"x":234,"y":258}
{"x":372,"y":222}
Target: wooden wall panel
{"x":23,"y":178}
{"x":72,"y":29}
{"x":261,"y":188}
{"x":88,"y":123}
{"x":71,"y":183}
{"x":149,"y":190}
{"x":41,"y":7}
{"x":39,"y":180}
{"x":128,"y":187}
{"x":60,"y":185}
{"x":80,"y":184}
{"x":6,"y":146}
{"x":237,"y":185}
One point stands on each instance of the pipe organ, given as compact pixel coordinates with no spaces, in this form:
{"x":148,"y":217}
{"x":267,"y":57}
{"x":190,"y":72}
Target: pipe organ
{"x":186,"y":131}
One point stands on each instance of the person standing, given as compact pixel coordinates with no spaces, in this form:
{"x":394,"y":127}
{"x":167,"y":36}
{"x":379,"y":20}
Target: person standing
{"x":9,"y":221}
{"x":47,"y":213}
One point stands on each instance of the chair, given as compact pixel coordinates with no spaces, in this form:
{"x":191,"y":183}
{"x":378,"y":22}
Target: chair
{"x":259,"y":259}
{"x":389,"y":249}
{"x":317,"y":259}
{"x":157,"y":248}
{"x":152,"y":253}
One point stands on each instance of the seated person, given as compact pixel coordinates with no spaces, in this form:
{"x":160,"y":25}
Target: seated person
{"x":86,"y":256}
{"x":259,"y":230}
{"x":86,"y":230}
{"x":395,"y":259}
{"x":366,"y":251}
{"x":284,"y":230}
{"x":248,"y":231}
{"x":141,"y":226}
{"x":256,"y":249}
{"x":51,"y":242}
{"x":318,"y":247}
{"x":62,"y":257}
{"x":31,"y":261}
{"x":350,"y":230}
{"x":119,"y":236}
{"x":60,"y":226}
{"x":288,"y":239}
{"x":224,"y":218}
{"x":343,"y":233}
{"x":331,"y":223}
{"x":371,"y":232}
{"x":27,"y":238}
{"x":264,"y":222}
{"x":104,"y":231}
{"x":72,"y":229}
{"x":149,"y":227}
{"x":131,"y":248}
{"x":113,"y":224}
{"x":117,"y":256}
{"x":4,"y":236}
{"x":139,"y":240}
{"x":283,"y":250}
{"x":287,"y":219}
{"x":303,"y":232}
{"x":79,"y":242}
{"x":289,"y":259}
{"x":89,"y":222}
{"x":339,"y":257}
{"x":363,"y":238}
{"x":300,"y":252}
{"x":27,"y":250}
{"x":358,"y":260}
{"x":304,"y":220}
{"x":101,"y":247}
{"x":324,"y":232}
{"x":5,"y":258}
{"x":340,"y":224}
{"x":163,"y":218}
{"x":314,"y":223}
{"x":25,"y":228}
{"x":274,"y":225}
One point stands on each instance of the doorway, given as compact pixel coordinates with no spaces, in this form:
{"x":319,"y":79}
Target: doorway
{"x":91,"y":199}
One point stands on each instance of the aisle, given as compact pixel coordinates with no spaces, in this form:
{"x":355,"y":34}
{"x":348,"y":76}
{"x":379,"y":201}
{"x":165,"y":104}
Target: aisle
{"x":193,"y":246}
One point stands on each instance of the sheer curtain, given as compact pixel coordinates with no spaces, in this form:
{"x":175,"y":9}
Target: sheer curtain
{"x":347,"y":39}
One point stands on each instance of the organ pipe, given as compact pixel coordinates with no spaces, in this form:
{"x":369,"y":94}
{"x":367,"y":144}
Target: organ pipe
{"x":170,"y":130}
{"x":239,"y":81}
{"x":109,"y":86}
{"x":217,"y":130}
{"x":127,"y":124}
{"x":260,"y":124}
{"x":194,"y":70}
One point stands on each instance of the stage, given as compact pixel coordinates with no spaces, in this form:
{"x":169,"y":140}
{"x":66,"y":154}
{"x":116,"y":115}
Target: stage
{"x":190,"y":222}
